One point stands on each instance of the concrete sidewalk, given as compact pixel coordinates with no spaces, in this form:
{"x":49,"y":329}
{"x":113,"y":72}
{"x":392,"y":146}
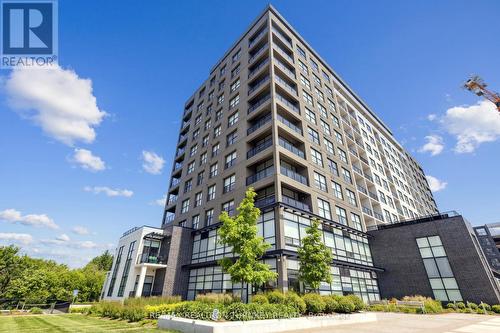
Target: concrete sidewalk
{"x":411,"y":323}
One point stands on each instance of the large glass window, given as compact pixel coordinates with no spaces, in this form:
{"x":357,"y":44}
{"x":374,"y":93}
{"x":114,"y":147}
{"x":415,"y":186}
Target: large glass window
{"x":443,"y":283}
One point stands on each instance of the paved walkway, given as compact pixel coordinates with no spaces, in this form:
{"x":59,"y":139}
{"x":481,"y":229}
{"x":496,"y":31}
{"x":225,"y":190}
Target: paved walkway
{"x":411,"y":323}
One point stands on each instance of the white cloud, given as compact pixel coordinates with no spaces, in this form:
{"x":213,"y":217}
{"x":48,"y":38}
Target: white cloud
{"x":472,"y":125}
{"x":432,"y":117}
{"x":152,"y":163}
{"x":57,"y":100}
{"x":435,"y":184}
{"x":16,"y":238}
{"x":86,"y":245}
{"x":110,"y":192}
{"x":159,"y":202}
{"x":63,"y":238}
{"x":36,"y":220}
{"x":79,"y":230}
{"x":434,"y":145}
{"x":87,"y":160}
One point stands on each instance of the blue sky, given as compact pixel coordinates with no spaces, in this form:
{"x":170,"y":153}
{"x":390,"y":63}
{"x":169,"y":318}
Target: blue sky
{"x":69,"y":192}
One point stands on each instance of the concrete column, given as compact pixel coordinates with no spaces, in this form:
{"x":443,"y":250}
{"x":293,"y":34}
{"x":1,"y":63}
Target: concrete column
{"x":140,"y":283}
{"x":282,"y":274}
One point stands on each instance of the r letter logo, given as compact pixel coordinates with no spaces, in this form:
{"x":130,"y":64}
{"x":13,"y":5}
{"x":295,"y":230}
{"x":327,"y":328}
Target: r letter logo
{"x":29,"y":33}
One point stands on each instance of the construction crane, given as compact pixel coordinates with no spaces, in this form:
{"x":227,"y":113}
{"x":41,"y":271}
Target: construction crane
{"x":476,"y":85}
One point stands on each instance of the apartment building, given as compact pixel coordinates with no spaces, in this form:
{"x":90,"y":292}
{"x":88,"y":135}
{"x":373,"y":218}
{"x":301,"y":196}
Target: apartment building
{"x":274,"y":115}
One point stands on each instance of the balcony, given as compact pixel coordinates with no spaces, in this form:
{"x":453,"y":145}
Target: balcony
{"x":258,"y":52}
{"x":294,"y":175}
{"x":286,"y":85}
{"x":284,"y":68}
{"x":256,"y":69}
{"x":289,"y":124}
{"x":260,"y":175}
{"x":175,"y":182}
{"x":296,"y":203}
{"x":364,"y":160}
{"x":353,"y":151}
{"x":169,"y":218}
{"x":182,"y":138}
{"x":367,"y":176}
{"x":262,"y":145}
{"x":373,"y":195}
{"x":284,"y":38}
{"x":290,"y":147}
{"x":379,"y":216}
{"x":258,"y":84}
{"x":362,"y":189}
{"x":180,"y":151}
{"x":177,"y":166}
{"x":259,"y":203}
{"x":367,"y":211}
{"x":283,"y":53}
{"x":172,"y":199}
{"x":260,"y":122}
{"x":255,"y":39}
{"x":289,"y":104}
{"x":257,"y":104}
{"x":358,"y":170}
{"x":146,"y":258}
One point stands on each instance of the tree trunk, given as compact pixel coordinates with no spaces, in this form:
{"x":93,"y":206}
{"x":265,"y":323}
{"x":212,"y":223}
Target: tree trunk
{"x":242,"y":290}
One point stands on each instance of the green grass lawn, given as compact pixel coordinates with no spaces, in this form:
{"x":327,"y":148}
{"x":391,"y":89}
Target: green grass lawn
{"x":69,"y":323}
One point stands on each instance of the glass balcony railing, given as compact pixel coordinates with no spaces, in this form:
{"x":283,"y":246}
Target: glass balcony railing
{"x":289,"y":104}
{"x":146,"y":258}
{"x":260,"y":147}
{"x":261,"y":122}
{"x":257,"y":104}
{"x":367,"y":211}
{"x":256,"y":38}
{"x":284,"y":68}
{"x":259,"y":203}
{"x":258,"y":84}
{"x":378,"y":216}
{"x":373,"y":195}
{"x":362,"y":189}
{"x":260,"y":175}
{"x":258,"y":52}
{"x":288,"y":146}
{"x":296,"y":203}
{"x":283,"y":37}
{"x":256,"y":69}
{"x":289,"y":124}
{"x":286,"y":85}
{"x":294,"y":175}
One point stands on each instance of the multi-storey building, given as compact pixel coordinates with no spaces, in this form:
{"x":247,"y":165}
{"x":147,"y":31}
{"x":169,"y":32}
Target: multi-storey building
{"x":275,"y":116}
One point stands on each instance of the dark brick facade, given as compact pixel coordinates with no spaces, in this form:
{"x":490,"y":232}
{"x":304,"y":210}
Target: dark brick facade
{"x":394,"y":249}
{"x":176,"y":276}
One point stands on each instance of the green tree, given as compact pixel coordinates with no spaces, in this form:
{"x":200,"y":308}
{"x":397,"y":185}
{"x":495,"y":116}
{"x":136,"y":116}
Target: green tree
{"x":314,"y":258}
{"x":11,"y":267}
{"x":103,"y":262}
{"x":240,"y":232}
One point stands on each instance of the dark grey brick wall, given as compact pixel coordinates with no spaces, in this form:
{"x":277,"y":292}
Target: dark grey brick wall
{"x":395,"y":250}
{"x":176,"y":277}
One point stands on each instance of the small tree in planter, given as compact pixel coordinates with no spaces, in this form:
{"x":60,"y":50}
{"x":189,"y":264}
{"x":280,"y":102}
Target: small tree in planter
{"x":240,"y":232}
{"x":314,"y":258}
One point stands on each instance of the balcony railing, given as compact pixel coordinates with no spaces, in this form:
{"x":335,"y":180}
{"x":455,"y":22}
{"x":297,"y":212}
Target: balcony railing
{"x":265,"y":201}
{"x":358,"y":170}
{"x":367,"y":176}
{"x":367,"y":211}
{"x":294,"y":175}
{"x":362,"y":189}
{"x":287,"y":103}
{"x":180,"y":151}
{"x":286,"y":85}
{"x":353,"y":151}
{"x":378,"y":216}
{"x":289,"y":124}
{"x":283,"y":37}
{"x":182,"y":138}
{"x":256,"y":38}
{"x":146,"y":258}
{"x":175,"y":182}
{"x":364,"y":160}
{"x":170,"y":218}
{"x":256,"y":69}
{"x":172,"y":199}
{"x":260,"y":175}
{"x":283,"y":53}
{"x":288,"y":146}
{"x":259,"y":103}
{"x":177,"y":166}
{"x":260,"y":147}
{"x":284,"y":68}
{"x":259,"y":124}
{"x":258,"y":84}
{"x":258,"y":52}
{"x":296,"y":203}
{"x":373,"y":195}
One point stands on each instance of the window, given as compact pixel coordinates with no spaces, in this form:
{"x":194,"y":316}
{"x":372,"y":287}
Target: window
{"x":339,"y":138}
{"x":185,"y":206}
{"x":305,"y":82}
{"x":325,"y":76}
{"x":204,"y":143}
{"x":336,"y":121}
{"x":316,"y":157}
{"x":330,"y":91}
{"x":199,"y":179}
{"x":233,"y":119}
{"x":211,"y":192}
{"x":229,"y":183}
{"x":228,"y":207}
{"x":307,"y":98}
{"x":324,"y":209}
{"x":195,"y":222}
{"x":198,"y":198}
{"x":188,"y":185}
{"x":190,"y":167}
{"x":441,"y":278}
{"x":310,"y":116}
{"x":203,"y":158}
{"x":314,"y":65}
{"x":331,"y":105}
{"x":209,"y":217}
{"x":313,"y":135}
{"x":196,"y":133}
{"x":230,"y":160}
{"x":343,"y":155}
{"x":210,"y":97}
{"x":320,"y":182}
{"x":325,"y":127}
{"x":231,"y":138}
{"x":235,"y":85}
{"x":222,"y":71}
{"x":302,"y":53}
{"x":356,"y":220}
{"x":208,"y":124}
{"x":218,"y":115}
{"x":213,"y":170}
{"x":351,"y":196}
{"x":193,"y":150}
{"x":235,"y":71}
{"x":347,"y":176}
{"x":382,"y":197}
{"x":236,"y":56}
{"x":220,"y":99}
{"x":322,"y":111}
{"x":342,"y":215}
{"x":303,"y":67}
{"x":337,"y":190}
{"x":217,"y":131}
{"x":320,"y":95}
{"x":333,"y":167}
{"x":197,"y":120}
{"x":215,"y":150}
{"x":329,"y":146}
{"x":234,"y":101}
